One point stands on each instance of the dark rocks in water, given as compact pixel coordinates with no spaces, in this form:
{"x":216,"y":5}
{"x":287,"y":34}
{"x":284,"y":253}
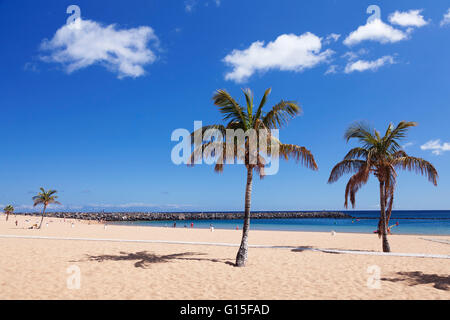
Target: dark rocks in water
{"x":174,"y":216}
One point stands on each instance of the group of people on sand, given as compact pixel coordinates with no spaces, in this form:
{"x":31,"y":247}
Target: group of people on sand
{"x":211,"y":227}
{"x":185,"y":225}
{"x":99,"y":221}
{"x":72,"y":222}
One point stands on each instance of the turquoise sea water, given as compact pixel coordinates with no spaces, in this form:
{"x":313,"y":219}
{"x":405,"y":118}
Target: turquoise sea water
{"x":409,"y":222}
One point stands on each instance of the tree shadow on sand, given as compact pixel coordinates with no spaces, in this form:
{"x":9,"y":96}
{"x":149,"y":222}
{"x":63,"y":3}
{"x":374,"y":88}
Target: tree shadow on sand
{"x":309,"y":248}
{"x":301,"y":249}
{"x":415,"y":278}
{"x":144,"y":259}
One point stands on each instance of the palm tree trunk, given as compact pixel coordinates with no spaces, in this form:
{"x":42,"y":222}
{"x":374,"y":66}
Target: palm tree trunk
{"x":241,"y":257}
{"x":389,"y":208}
{"x":42,"y":219}
{"x":386,"y":247}
{"x":7,"y":216}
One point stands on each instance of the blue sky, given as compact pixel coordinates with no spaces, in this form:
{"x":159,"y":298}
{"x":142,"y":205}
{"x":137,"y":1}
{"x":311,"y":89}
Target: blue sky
{"x":86,"y":115}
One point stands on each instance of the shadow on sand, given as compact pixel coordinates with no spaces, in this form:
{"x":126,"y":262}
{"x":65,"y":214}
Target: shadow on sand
{"x":416,"y":278}
{"x":301,"y":249}
{"x":144,"y":259}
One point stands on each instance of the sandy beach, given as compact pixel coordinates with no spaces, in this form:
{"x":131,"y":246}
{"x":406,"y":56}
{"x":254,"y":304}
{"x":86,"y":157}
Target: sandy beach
{"x":111,"y":269}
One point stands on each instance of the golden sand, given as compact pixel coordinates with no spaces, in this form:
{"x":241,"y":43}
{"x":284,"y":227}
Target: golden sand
{"x":48,"y":269}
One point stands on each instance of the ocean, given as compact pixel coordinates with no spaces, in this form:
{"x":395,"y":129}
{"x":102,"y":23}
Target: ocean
{"x":421,"y":222}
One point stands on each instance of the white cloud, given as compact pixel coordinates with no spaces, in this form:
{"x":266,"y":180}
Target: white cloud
{"x":376,"y":30}
{"x":436,"y":146}
{"x":363,"y":65}
{"x":411,"y":18}
{"x":136,"y":205}
{"x":27,"y":207}
{"x":288,"y":52}
{"x":332,"y":69}
{"x":31,"y":66}
{"x":407,"y":145}
{"x":189,"y":5}
{"x":446,"y":18}
{"x":124,"y":205}
{"x":332,"y":37}
{"x":351,"y":55}
{"x":53,"y":207}
{"x":84,"y":43}
{"x":99,"y":207}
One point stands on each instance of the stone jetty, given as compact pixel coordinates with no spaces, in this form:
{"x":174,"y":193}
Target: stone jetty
{"x":176,"y":216}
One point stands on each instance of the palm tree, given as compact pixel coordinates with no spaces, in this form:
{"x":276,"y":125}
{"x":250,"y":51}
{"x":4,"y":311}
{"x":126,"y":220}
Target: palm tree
{"x":8,"y":210}
{"x":381,"y":156}
{"x":250,"y":120}
{"x":45,"y":198}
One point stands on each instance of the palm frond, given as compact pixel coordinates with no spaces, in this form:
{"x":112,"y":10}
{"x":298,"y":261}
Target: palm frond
{"x":417,"y":165}
{"x":197,"y":154}
{"x":362,"y":132}
{"x":393,"y":146}
{"x":399,"y":154}
{"x":238,"y":153}
{"x":345,"y":167}
{"x":262,"y":103}
{"x":280,"y":114}
{"x":249,"y":99}
{"x":400,"y":131}
{"x":37,"y":202}
{"x":229,"y":107}
{"x":356,"y":153}
{"x":355,"y":183}
{"x":235,"y":125}
{"x":300,"y":154}
{"x":259,"y":167}
{"x":202,"y":130}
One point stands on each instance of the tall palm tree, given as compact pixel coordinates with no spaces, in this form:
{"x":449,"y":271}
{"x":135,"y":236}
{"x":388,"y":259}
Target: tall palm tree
{"x":8,"y":210}
{"x":45,"y":198}
{"x":381,"y":156}
{"x":249,"y":119}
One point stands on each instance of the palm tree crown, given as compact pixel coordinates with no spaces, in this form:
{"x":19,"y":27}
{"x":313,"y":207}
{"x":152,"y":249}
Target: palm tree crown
{"x":237,"y":117}
{"x":8,"y":209}
{"x":381,"y":156}
{"x":45,"y":197}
